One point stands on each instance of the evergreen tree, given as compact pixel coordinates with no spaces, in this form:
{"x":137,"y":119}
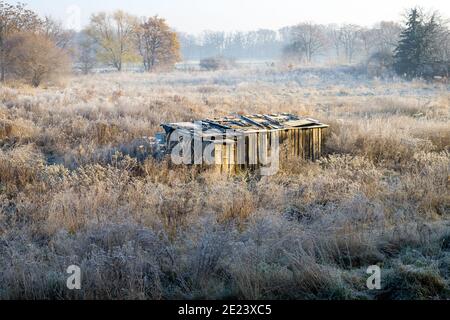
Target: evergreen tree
{"x":409,"y":51}
{"x":419,"y":49}
{"x":430,"y":42}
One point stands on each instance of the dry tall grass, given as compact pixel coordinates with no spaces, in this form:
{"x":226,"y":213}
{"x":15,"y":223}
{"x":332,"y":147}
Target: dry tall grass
{"x":76,"y":188}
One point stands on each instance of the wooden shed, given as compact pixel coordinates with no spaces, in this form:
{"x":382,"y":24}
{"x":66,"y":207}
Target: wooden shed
{"x":247,"y":141}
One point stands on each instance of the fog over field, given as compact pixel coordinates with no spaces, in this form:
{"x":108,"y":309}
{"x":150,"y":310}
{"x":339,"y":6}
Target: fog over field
{"x":83,"y":183}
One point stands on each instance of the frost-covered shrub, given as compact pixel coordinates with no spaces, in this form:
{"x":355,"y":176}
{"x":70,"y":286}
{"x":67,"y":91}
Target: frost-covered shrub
{"x":78,"y":186}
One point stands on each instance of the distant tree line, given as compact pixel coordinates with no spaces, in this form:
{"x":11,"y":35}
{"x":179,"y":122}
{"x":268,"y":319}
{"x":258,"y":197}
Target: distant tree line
{"x":36,"y":49}
{"x":259,"y":44}
{"x":343,"y":44}
{"x":305,"y":42}
{"x":419,"y":48}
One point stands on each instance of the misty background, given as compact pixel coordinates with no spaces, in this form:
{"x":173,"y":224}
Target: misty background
{"x":260,"y":30}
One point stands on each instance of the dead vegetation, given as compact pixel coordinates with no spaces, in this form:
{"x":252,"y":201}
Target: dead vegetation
{"x":74,"y":189}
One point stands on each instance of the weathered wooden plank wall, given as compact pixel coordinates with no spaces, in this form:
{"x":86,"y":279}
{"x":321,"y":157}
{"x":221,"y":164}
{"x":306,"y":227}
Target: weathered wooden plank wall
{"x":304,"y":143}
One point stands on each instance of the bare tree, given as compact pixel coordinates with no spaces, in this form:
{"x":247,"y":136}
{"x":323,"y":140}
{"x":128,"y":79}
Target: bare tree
{"x":13,"y":19}
{"x":158,"y":45}
{"x":440,"y":43}
{"x":86,"y":53}
{"x":349,"y":36}
{"x":36,"y":58}
{"x":444,"y":40}
{"x":368,"y":38}
{"x":309,"y":38}
{"x":55,"y":31}
{"x":380,"y":39}
{"x":213,"y":43}
{"x":334,"y":38}
{"x":386,"y":35}
{"x":189,"y":45}
{"x":114,"y":34}
{"x":262,"y":43}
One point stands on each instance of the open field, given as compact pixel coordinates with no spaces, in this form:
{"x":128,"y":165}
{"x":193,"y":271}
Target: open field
{"x":78,"y":186}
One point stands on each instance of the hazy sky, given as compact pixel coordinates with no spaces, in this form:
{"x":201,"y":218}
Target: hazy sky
{"x":195,"y":16}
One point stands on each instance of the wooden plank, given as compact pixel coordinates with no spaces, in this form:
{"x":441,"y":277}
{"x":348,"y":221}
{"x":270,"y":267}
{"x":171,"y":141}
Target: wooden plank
{"x":240,"y":151}
{"x":218,"y":157}
{"x":225,"y":155}
{"x":325,"y":133}
{"x":252,"y":150}
{"x":252,"y":122}
{"x":310,"y":139}
{"x":314,"y":149}
{"x":291,"y":144}
{"x":307,"y":148}
{"x":235,"y":162}
{"x":232,"y":157}
{"x":255,"y":150}
{"x":299,"y":123}
{"x":247,"y":151}
{"x":294,"y":143}
{"x":300,"y":141}
{"x":318,"y":143}
{"x":262,"y":148}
